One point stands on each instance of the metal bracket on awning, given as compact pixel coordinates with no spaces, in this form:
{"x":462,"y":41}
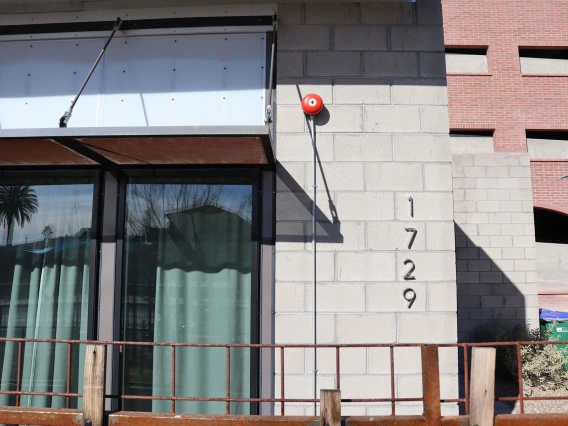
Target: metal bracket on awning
{"x":65,"y":117}
{"x":268,"y":115}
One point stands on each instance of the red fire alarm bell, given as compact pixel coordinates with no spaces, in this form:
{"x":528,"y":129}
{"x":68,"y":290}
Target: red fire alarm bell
{"x":312,"y":104}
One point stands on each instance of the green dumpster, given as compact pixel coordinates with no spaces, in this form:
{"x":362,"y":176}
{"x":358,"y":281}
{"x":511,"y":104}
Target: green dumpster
{"x":556,"y":323}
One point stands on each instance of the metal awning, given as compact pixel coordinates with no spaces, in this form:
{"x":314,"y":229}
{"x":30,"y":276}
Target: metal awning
{"x":198,"y":145}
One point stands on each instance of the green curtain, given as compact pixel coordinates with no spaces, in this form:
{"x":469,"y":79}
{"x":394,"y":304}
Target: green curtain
{"x":202,"y":294}
{"x":45,"y":288}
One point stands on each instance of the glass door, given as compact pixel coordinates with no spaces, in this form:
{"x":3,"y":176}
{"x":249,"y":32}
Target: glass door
{"x":189,"y":263}
{"x":46,"y":258}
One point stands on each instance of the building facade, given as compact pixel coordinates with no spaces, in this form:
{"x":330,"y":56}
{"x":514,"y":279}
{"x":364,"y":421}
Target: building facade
{"x":178,"y":203}
{"x":507,"y":88}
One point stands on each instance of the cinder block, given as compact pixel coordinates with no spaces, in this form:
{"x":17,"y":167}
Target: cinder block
{"x":514,"y":183}
{"x":442,"y":297}
{"x":339,"y":176}
{"x":464,"y":183}
{"x":391,"y":119}
{"x":298,"y":147}
{"x":421,"y":148}
{"x":431,"y":327}
{"x":476,"y":218}
{"x":390,"y":64}
{"x":297,"y":266}
{"x":504,"y":265}
{"x":489,"y":229}
{"x":363,"y":147}
{"x":523,"y":241}
{"x":290,"y":119}
{"x":474,"y":171}
{"x":491,"y":277}
{"x":440,"y":235}
{"x":290,"y":64}
{"x":489,"y":206}
{"x":296,"y":328}
{"x":512,"y":229}
{"x":365,"y":266}
{"x":388,"y":297}
{"x":528,"y":229}
{"x":427,"y":206}
{"x":294,"y":360}
{"x":291,"y":176}
{"x":340,"y":236}
{"x":394,"y":176}
{"x":478,"y":241}
{"x":458,"y":171}
{"x":510,"y":206}
{"x":365,"y":206}
{"x":417,"y":38}
{"x":530,"y":253}
{"x":329,"y":13}
{"x":352,"y":360}
{"x":360,"y":38}
{"x":479,"y":265}
{"x":480,"y":289}
{"x":420,"y":92}
{"x":289,"y":14}
{"x":501,"y":241}
{"x":407,"y":360}
{"x":287,"y":90}
{"x":522,"y":218}
{"x":514,"y":253}
{"x":525,"y":265}
{"x":432,"y":64}
{"x":496,"y":160}
{"x":303,"y":37}
{"x":445,"y":269}
{"x":366,"y":328}
{"x":290,"y":236}
{"x":340,"y":297}
{"x":520,"y":172}
{"x":501,"y":217}
{"x":527,"y":206}
{"x":459,"y":194}
{"x":469,"y":301}
{"x":392,"y":235}
{"x":362,"y":91}
{"x":387,"y":13}
{"x":502,"y":171}
{"x":437,"y":177}
{"x":290,"y":297}
{"x":333,"y":64}
{"x":297,"y":206}
{"x":476,"y":194}
{"x":462,"y":160}
{"x":498,"y":194}
{"x":358,"y":386}
{"x":429,"y":13}
{"x":410,"y":386}
{"x":340,"y":119}
{"x":467,"y":253}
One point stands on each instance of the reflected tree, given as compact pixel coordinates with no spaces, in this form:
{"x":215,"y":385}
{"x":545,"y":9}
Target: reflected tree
{"x":17,"y":205}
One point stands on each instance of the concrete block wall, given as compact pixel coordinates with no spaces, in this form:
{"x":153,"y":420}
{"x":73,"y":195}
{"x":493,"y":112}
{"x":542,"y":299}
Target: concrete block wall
{"x":495,"y":243}
{"x":382,"y":138}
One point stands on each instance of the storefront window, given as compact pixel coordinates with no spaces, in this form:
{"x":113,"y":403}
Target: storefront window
{"x":45,"y":263}
{"x":188,"y":279}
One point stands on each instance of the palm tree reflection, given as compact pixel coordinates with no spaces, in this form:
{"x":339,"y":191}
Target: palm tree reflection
{"x":17,"y":205}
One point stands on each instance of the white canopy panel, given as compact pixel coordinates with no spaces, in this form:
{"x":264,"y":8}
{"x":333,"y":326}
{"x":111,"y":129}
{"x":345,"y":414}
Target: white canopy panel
{"x":155,"y":80}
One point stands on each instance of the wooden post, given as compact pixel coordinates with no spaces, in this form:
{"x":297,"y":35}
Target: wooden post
{"x":330,"y":408}
{"x":482,"y":390}
{"x":94,"y":385}
{"x":431,"y":385}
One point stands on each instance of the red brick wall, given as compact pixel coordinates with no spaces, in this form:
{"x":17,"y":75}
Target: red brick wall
{"x":549,"y":191}
{"x":504,"y":100}
{"x":554,"y":302}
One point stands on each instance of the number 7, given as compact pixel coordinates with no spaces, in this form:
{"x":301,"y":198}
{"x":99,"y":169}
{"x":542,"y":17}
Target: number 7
{"x":412,"y":237}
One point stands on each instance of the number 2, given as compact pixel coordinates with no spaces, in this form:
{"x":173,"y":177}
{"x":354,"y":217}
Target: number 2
{"x":408,"y":275}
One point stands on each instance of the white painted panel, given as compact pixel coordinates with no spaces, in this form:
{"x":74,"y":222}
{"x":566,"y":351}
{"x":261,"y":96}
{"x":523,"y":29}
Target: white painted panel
{"x":180,"y":80}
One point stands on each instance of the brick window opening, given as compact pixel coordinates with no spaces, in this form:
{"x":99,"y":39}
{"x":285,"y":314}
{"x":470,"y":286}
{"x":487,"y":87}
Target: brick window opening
{"x":471,"y":141}
{"x":550,"y":226}
{"x":467,"y":60}
{"x":544,"y":61}
{"x":547,"y":144}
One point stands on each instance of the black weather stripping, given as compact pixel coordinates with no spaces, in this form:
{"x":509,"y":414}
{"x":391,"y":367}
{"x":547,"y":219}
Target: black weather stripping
{"x":137,"y":24}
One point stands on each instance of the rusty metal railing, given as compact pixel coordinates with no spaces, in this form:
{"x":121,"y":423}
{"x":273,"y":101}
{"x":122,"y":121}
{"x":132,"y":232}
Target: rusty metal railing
{"x":282,"y":400}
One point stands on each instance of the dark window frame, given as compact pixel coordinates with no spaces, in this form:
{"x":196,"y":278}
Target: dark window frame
{"x":251,"y":176}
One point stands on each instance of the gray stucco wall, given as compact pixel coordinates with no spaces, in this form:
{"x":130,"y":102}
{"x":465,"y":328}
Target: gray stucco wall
{"x":552,"y":267}
{"x":382,"y":138}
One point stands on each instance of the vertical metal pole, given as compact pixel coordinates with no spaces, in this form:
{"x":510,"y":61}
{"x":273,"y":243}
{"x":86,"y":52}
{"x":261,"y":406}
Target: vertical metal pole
{"x":314,"y":266}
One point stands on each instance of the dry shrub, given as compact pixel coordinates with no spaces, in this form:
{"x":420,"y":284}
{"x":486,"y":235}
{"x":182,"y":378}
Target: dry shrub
{"x":543,"y":365}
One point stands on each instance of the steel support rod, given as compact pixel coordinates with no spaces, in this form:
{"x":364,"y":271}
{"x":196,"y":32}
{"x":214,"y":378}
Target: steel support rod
{"x":314,"y":266}
{"x":65,"y":117}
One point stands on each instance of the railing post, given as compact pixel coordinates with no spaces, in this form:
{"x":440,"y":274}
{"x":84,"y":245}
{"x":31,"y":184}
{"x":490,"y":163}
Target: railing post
{"x":330,"y":408}
{"x":431,"y":385}
{"x":94,"y":385}
{"x":482,"y":394}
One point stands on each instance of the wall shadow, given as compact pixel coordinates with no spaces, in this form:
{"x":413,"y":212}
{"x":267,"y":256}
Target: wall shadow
{"x":485,"y":293}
